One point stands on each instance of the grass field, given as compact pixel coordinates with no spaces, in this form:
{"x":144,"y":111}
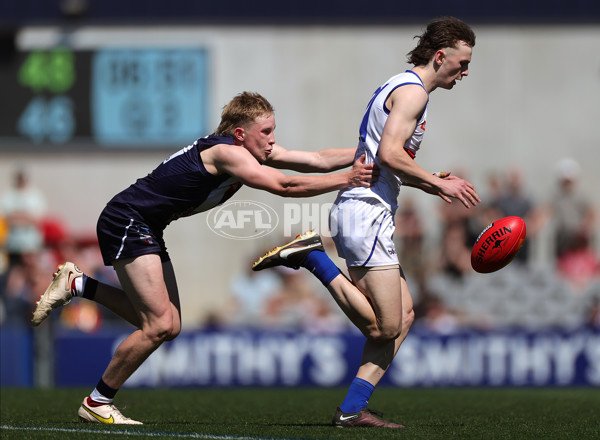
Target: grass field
{"x":256,"y":414}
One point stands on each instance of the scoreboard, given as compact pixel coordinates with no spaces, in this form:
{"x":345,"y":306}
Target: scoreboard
{"x":111,"y":97}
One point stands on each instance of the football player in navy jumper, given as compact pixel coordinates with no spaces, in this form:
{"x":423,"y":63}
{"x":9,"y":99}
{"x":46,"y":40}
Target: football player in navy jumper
{"x":195,"y":179}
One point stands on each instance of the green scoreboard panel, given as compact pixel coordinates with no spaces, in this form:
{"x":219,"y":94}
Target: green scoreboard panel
{"x":112,"y":97}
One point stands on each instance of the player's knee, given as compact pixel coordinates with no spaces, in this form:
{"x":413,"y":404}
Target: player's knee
{"x":174,"y":332}
{"x":159,"y":331}
{"x":390,"y":333}
{"x":384,"y":333}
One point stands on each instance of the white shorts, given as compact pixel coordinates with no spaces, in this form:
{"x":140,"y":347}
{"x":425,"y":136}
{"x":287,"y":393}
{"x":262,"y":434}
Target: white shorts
{"x":363,"y":230}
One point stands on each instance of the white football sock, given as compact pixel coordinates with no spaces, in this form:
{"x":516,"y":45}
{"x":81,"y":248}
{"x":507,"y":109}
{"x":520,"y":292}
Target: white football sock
{"x":97,"y":397}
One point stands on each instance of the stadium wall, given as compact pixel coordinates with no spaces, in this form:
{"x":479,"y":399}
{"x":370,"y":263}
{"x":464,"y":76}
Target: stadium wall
{"x":246,"y":357}
{"x":289,"y":358}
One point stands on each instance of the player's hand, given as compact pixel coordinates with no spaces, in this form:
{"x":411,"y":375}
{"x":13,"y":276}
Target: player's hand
{"x":457,"y":188}
{"x":363,"y":174}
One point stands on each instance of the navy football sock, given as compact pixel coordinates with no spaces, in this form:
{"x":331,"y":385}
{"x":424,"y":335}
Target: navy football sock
{"x":89,"y":289}
{"x":358,"y":396}
{"x":321,"y":266}
{"x":103,"y":393}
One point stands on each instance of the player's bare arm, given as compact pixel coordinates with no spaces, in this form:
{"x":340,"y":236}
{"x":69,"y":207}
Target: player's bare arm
{"x":406,"y":105}
{"x":238,"y":162}
{"x":323,"y":161}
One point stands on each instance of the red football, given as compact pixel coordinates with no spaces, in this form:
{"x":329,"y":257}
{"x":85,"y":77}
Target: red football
{"x":498,"y":244}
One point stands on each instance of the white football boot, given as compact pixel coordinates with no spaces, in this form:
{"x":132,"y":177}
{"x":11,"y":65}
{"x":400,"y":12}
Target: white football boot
{"x":58,"y":292}
{"x":107,"y":413}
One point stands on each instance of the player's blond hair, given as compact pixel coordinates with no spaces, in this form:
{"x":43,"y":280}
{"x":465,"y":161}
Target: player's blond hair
{"x":243,"y":110}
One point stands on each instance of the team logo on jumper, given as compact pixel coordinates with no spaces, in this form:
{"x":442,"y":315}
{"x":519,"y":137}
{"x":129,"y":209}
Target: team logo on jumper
{"x":242,"y":220}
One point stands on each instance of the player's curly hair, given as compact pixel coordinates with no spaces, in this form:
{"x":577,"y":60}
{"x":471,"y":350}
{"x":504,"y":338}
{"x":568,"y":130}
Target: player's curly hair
{"x":441,"y":32}
{"x":241,"y":111}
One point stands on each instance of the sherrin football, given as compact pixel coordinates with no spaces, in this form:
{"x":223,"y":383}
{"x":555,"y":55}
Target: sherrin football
{"x":498,"y":244}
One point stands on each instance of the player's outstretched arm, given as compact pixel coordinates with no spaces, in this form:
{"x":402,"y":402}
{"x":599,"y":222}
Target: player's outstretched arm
{"x":407,"y":104}
{"x":454,"y":187}
{"x":239,"y":163}
{"x":323,"y":161}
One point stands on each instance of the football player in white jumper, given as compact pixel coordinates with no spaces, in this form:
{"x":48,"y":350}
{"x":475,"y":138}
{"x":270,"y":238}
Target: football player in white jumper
{"x":377,"y":300}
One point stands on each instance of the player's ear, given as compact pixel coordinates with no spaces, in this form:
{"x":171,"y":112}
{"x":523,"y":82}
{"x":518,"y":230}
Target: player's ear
{"x":439,"y":56}
{"x":239,"y":134}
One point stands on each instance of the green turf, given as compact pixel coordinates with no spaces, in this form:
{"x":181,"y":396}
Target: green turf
{"x":306,"y":413}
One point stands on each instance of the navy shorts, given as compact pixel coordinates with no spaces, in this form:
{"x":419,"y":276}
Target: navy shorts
{"x":123,"y":234}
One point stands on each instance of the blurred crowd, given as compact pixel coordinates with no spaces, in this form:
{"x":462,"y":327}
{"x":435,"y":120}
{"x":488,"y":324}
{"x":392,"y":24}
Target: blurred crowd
{"x":447,"y":293}
{"x":33,"y":244}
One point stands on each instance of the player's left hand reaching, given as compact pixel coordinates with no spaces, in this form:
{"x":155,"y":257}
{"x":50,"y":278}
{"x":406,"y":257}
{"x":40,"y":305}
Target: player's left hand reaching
{"x":455,"y":187}
{"x":363,"y":174}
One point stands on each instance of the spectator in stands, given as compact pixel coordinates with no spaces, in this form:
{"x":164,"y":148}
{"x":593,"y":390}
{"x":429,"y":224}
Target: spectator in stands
{"x":454,"y":257}
{"x":450,"y":214}
{"x":410,"y":237}
{"x":573,"y":219}
{"x":513,"y":201}
{"x":23,"y":207}
{"x":436,"y":317}
{"x":572,"y":213}
{"x":297,"y":305}
{"x":593,"y":314}
{"x":580,"y":264}
{"x":250,"y":292}
{"x":22,"y":285}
